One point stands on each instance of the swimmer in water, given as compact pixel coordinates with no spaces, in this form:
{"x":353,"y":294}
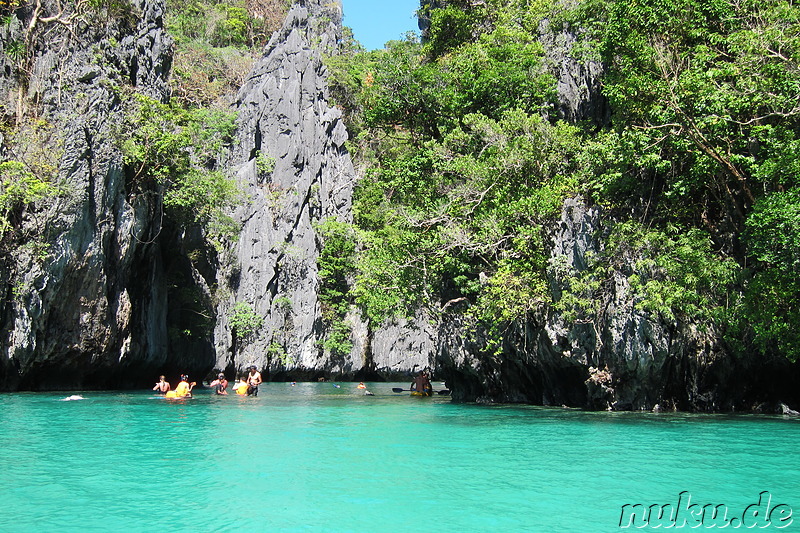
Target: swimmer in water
{"x":73,"y":397}
{"x":162,"y":386}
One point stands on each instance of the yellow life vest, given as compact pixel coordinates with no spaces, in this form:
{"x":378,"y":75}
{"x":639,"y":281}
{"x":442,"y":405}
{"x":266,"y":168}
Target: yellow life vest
{"x":182,"y":390}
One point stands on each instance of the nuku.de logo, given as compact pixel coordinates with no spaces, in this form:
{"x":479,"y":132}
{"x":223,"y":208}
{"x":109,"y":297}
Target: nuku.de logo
{"x":763,"y":514}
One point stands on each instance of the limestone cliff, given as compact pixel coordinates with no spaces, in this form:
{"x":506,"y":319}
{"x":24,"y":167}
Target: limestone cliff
{"x":85,"y":302}
{"x":93,"y":298}
{"x":297,"y":173}
{"x":294,"y":168}
{"x":624,"y":359}
{"x":94,"y":280}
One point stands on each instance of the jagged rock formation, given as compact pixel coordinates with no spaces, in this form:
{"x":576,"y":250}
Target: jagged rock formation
{"x":102,"y":307}
{"x":578,"y":78}
{"x":95,"y":305}
{"x":88,"y":308}
{"x":296,"y":172}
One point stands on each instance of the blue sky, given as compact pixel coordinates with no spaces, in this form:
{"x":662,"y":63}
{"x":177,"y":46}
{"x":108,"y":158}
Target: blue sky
{"x":376,"y":21}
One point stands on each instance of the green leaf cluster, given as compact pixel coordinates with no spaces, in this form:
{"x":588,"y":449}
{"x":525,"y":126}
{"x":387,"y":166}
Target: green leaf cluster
{"x":706,"y":122}
{"x":335,"y":266}
{"x":176,"y":149}
{"x":19,"y":187}
{"x":466,"y":172}
{"x":674,"y":272}
{"x":466,"y":167}
{"x":772,"y":303}
{"x":699,"y":164}
{"x":245,"y":321}
{"x":28,"y":174}
{"x":219,"y":23}
{"x":705,"y":100}
{"x":216,"y":45}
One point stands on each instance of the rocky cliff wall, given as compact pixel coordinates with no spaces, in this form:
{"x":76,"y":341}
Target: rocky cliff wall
{"x":91,"y":304}
{"x":96,"y":300}
{"x":296,"y":172}
{"x":624,"y":359}
{"x":295,"y":168}
{"x":86,"y":304}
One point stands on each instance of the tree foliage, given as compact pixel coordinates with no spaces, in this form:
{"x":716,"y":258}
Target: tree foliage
{"x":217,"y":43}
{"x":19,"y":187}
{"x":28,"y":177}
{"x":772,"y":302}
{"x":245,"y":322}
{"x":176,"y":150}
{"x":335,"y":264}
{"x":467,"y":164}
{"x":706,"y":99}
{"x":466,"y":168}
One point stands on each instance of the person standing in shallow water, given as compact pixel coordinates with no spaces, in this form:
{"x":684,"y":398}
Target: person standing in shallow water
{"x":240,"y":387}
{"x":253,"y":381}
{"x":220,"y":385}
{"x":162,"y":386}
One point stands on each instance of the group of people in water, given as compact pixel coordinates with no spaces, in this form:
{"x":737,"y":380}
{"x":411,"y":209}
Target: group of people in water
{"x":247,"y":386}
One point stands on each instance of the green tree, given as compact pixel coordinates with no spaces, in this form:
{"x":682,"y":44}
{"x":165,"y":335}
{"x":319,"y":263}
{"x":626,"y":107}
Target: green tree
{"x":772,"y":303}
{"x":705,"y":100}
{"x":468,"y":164}
{"x":244,"y":322}
{"x":19,"y":188}
{"x":335,"y":270}
{"x":176,"y":150}
{"x":465,"y":169}
{"x":706,"y":135}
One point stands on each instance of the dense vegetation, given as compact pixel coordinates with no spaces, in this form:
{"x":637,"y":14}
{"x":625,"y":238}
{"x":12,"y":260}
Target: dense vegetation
{"x":216,"y":45}
{"x":467,"y":161}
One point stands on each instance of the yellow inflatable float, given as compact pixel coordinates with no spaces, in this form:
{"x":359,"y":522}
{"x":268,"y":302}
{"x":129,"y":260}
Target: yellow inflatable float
{"x":183,"y":390}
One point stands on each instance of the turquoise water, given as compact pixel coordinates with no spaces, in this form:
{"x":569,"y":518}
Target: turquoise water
{"x":319,"y":458}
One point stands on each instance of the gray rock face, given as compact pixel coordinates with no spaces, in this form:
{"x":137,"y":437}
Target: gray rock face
{"x":97,"y":310}
{"x":297,"y":173}
{"x":91,"y":311}
{"x":622,"y":359}
{"x":578,"y":78}
{"x":403,"y":347}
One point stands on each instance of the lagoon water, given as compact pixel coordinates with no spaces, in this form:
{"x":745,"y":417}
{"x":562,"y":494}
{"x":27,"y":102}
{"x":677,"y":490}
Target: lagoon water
{"x":314,"y":457}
